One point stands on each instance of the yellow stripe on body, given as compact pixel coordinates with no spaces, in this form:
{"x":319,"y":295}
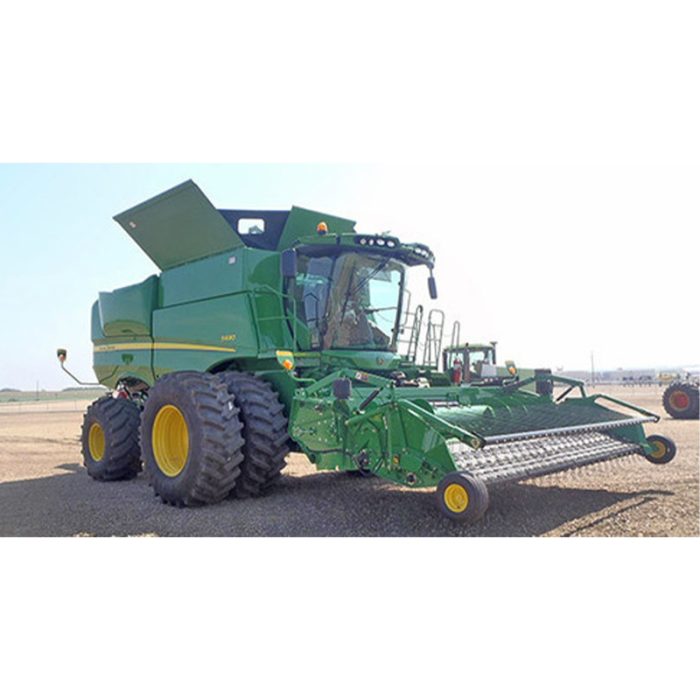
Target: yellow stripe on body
{"x":160,"y":346}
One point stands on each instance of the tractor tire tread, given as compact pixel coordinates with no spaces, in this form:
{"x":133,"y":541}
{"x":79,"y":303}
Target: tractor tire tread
{"x":265,"y":430}
{"x":217,"y":465}
{"x":120,"y":420}
{"x":692,"y":391}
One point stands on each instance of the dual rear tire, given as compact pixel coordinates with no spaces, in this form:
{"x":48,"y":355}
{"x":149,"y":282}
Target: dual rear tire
{"x":265,"y":433}
{"x":191,"y":439}
{"x":110,"y":439}
{"x":201,"y":437}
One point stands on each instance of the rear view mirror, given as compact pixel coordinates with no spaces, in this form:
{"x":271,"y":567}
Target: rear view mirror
{"x":62,"y":354}
{"x":432,"y":287}
{"x":288,"y":263}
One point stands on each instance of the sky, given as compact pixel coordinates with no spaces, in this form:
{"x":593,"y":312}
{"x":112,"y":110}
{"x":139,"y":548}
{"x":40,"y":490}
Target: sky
{"x":548,"y":153}
{"x":555,"y":265}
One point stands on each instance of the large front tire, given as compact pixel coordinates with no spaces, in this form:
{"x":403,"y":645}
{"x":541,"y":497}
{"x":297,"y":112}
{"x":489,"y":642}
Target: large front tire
{"x":191,"y":439}
{"x":110,"y":439}
{"x":264,"y":429}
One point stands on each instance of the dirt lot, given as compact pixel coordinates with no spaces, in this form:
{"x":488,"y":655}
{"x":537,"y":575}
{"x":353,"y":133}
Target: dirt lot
{"x":44,"y":491}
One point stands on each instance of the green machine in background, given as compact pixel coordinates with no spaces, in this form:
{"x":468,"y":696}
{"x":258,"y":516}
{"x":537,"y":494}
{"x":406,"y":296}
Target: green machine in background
{"x":271,"y":331}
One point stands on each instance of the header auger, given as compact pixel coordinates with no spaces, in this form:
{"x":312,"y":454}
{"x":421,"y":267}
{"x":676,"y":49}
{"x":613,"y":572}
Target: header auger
{"x":271,"y":331}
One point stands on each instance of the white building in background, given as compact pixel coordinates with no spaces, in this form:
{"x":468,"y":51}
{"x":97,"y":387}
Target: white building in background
{"x":650,"y":375}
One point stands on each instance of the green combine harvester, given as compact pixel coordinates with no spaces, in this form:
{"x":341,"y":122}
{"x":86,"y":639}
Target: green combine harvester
{"x":271,"y":331}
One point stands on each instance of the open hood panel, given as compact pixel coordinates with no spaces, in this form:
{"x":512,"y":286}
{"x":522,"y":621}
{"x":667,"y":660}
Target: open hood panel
{"x":178,"y":226}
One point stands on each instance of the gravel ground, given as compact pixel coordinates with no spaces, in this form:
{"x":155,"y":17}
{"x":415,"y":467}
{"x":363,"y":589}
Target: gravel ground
{"x":44,"y":491}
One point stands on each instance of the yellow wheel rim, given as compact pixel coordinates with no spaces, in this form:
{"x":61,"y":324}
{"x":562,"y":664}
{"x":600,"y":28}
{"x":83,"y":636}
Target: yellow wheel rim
{"x":96,"y":442}
{"x":659,"y":449}
{"x":456,"y":498}
{"x":171,"y":440}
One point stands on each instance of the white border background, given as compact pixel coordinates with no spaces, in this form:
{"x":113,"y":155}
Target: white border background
{"x":330,"y":82}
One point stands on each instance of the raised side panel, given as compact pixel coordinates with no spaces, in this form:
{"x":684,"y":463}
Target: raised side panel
{"x":96,"y":332}
{"x":117,"y":358}
{"x":128,"y":311}
{"x":178,"y":226}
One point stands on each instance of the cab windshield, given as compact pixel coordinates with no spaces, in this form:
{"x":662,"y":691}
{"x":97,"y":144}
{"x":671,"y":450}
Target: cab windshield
{"x":349,"y":300}
{"x":483,"y":355}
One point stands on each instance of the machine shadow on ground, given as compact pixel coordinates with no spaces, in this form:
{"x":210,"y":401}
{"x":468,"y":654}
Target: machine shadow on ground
{"x":312,"y":505}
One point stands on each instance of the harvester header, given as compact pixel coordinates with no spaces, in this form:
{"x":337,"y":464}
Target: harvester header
{"x":271,"y":331}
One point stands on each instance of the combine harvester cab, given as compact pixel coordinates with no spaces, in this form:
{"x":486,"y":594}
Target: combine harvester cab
{"x":266,"y":331}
